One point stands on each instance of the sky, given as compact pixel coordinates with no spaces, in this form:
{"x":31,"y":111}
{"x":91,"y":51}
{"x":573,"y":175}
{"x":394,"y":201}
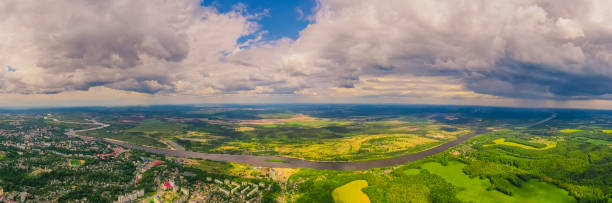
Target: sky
{"x":524,"y":53}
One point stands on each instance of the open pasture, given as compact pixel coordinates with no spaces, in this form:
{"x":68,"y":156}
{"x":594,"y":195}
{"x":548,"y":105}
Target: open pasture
{"x":476,"y":190}
{"x":354,"y":141}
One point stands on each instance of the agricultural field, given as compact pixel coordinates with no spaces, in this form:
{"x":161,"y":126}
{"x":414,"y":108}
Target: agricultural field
{"x":537,"y":164}
{"x":295,"y":135}
{"x":527,"y":145}
{"x":472,"y":172}
{"x":149,"y":132}
{"x":566,"y":159}
{"x":351,"y":193}
{"x":570,"y":130}
{"x":311,"y":138}
{"x":76,"y":163}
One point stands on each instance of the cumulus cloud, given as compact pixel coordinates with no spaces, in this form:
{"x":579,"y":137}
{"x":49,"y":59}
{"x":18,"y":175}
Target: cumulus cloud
{"x":143,"y":46}
{"x":542,"y":49}
{"x":523,"y":48}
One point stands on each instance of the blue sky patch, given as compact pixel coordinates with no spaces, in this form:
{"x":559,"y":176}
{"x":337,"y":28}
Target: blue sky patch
{"x":285,"y":18}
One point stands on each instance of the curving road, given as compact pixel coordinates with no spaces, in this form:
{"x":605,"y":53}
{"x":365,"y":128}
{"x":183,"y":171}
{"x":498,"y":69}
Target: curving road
{"x":255,"y":160}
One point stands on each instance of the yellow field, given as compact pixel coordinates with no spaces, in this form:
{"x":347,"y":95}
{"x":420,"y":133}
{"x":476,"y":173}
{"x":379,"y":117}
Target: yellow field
{"x":195,"y":136}
{"x":607,"y":131}
{"x":351,"y":193}
{"x":502,"y":141}
{"x":351,"y":146}
{"x":244,"y":129}
{"x":569,"y":130}
{"x":222,"y":148}
{"x":390,"y":140}
{"x":294,"y":120}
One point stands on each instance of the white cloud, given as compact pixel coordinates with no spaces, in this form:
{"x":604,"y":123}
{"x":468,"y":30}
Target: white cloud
{"x":133,"y":45}
{"x":553,"y":49}
{"x":554,"y":45}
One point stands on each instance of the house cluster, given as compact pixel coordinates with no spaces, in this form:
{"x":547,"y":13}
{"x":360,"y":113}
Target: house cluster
{"x":229,"y":190}
{"x":13,"y":197}
{"x":127,"y":198}
{"x":41,"y":138}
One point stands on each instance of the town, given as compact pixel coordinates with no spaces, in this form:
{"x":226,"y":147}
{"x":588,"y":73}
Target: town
{"x":42,"y":161}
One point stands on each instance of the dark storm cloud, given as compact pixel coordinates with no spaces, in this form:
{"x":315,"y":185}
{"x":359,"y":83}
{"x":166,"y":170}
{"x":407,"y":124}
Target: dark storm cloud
{"x":517,"y":79}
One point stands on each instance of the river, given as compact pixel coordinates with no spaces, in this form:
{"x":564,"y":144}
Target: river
{"x":255,"y":160}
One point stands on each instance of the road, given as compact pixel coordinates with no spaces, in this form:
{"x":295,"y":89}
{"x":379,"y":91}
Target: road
{"x":255,"y":160}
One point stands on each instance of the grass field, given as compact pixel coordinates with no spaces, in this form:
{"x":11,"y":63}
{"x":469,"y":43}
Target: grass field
{"x":351,"y":193}
{"x":412,"y":171}
{"x":475,"y":190}
{"x":334,"y":140}
{"x":194,"y":134}
{"x":140,"y":140}
{"x":293,"y":120}
{"x":212,"y":166}
{"x":75,"y":162}
{"x":569,"y":130}
{"x":596,"y":141}
{"x":292,"y":135}
{"x":356,"y":148}
{"x":276,"y":115}
{"x":154,"y":126}
{"x":502,"y":141}
{"x":150,"y":132}
{"x":309,"y":123}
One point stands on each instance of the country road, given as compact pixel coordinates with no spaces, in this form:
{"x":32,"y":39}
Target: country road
{"x":263,"y":161}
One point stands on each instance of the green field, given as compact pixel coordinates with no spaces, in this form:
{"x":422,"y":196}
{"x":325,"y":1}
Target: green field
{"x":412,"y":171}
{"x":476,"y":190}
{"x":75,"y":163}
{"x":310,"y":124}
{"x":212,"y":166}
{"x":150,"y":132}
{"x":290,"y":135}
{"x":595,"y":141}
{"x":276,"y":115}
{"x":157,"y":128}
{"x":331,"y":140}
{"x":516,"y":159}
{"x":351,"y":193}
